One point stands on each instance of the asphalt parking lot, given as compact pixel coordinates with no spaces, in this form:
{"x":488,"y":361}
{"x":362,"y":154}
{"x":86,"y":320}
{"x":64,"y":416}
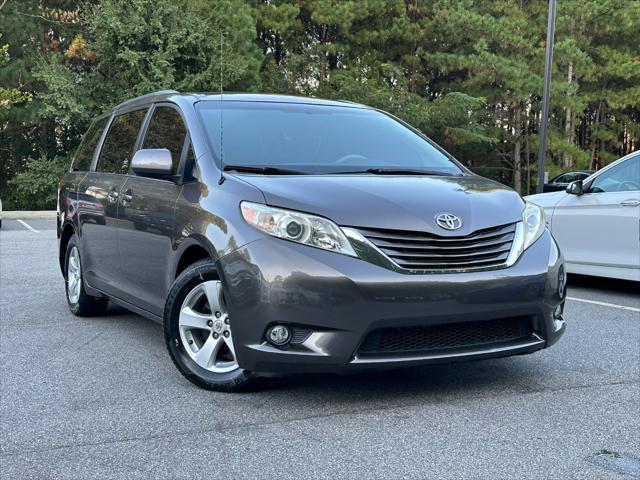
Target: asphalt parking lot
{"x":100,"y":398}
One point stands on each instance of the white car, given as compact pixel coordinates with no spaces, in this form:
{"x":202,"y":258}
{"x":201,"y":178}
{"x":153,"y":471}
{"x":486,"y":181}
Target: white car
{"x":596,"y":221}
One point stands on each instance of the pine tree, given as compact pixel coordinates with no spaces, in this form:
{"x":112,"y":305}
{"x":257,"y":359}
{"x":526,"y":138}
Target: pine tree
{"x":466,"y":72}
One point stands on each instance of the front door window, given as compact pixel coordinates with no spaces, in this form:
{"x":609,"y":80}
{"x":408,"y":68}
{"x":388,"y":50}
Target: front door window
{"x":117,"y":150}
{"x":624,"y":177}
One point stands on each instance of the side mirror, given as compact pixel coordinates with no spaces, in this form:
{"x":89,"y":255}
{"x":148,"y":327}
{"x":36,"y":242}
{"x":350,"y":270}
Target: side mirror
{"x":575,"y":188}
{"x":152,"y":161}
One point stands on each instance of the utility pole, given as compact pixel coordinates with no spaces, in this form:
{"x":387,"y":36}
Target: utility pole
{"x":546,"y":93}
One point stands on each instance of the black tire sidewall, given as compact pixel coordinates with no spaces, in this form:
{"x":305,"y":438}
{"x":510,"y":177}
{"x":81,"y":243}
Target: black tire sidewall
{"x":193,"y":276}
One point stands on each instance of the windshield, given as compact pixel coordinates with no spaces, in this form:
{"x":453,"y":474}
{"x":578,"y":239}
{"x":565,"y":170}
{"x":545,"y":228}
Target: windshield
{"x":317,"y":139}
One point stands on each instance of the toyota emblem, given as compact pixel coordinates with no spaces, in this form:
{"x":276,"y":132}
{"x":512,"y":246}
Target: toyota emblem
{"x":448,"y":221}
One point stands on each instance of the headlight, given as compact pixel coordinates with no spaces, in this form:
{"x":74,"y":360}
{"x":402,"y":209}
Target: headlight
{"x":297,"y":227}
{"x":527,"y":231}
{"x":532,"y":223}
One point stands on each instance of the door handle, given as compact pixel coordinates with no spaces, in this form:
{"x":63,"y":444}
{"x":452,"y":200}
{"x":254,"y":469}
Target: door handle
{"x":126,"y":197}
{"x":630,"y":203}
{"x":112,"y":195}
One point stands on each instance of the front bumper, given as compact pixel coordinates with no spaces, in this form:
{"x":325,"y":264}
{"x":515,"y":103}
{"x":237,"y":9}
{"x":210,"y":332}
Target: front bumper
{"x":341,"y":299}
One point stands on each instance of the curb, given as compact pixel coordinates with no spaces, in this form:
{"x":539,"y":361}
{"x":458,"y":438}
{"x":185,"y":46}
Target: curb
{"x":34,"y":214}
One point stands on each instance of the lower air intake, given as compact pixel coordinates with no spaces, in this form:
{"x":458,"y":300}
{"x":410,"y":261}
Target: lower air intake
{"x":448,"y":336}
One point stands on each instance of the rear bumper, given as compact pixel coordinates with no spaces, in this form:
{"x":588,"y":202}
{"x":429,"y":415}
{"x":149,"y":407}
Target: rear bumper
{"x":340,"y":299}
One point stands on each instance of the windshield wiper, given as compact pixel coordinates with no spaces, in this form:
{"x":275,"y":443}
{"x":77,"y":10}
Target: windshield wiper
{"x":262,"y":170}
{"x":400,"y":171}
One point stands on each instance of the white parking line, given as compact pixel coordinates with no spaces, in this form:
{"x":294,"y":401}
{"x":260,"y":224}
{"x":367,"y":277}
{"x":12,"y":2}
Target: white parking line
{"x":27,"y":226}
{"x":604,"y":304}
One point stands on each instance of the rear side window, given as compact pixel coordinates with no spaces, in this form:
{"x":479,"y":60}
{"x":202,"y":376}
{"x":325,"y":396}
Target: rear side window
{"x":166,"y":130}
{"x":117,"y":149}
{"x":84,"y":154}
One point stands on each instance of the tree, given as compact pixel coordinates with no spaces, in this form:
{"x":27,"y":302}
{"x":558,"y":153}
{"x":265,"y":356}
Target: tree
{"x":30,"y":28}
{"x":364,"y":51}
{"x":8,"y":96}
{"x":468,"y":73}
{"x":78,"y":59}
{"x":600,"y":54}
{"x":134,"y":47}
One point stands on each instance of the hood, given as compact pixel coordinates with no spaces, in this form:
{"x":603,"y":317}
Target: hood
{"x":546,"y":200}
{"x":394,"y":202}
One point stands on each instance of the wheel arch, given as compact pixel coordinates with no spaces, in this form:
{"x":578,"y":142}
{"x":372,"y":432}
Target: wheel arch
{"x":191,"y":250}
{"x":68,"y":231}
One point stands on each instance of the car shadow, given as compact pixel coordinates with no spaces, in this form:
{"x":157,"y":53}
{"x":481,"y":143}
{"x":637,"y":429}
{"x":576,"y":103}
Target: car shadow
{"x":602,"y":285}
{"x":430,"y":383}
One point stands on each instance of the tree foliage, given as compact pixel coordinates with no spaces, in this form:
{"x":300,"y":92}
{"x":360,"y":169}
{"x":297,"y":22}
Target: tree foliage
{"x":466,"y":72}
{"x":35,"y":187}
{"x":8,"y":96}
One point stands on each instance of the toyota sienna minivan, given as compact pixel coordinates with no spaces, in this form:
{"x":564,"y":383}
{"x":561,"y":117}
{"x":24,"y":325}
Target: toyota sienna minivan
{"x":274,"y":234}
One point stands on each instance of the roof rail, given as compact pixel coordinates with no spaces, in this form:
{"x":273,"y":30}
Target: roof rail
{"x":351,"y":102}
{"x":146,"y":96}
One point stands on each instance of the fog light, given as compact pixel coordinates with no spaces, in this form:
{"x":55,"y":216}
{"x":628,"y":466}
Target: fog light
{"x":279,"y":335}
{"x":562,"y":282}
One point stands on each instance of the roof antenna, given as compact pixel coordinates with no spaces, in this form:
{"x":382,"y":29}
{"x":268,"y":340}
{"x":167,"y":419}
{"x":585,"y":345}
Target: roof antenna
{"x":221,"y":179}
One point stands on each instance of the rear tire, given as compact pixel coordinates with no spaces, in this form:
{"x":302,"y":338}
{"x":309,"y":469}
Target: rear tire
{"x":197,"y":331}
{"x":80,"y":303}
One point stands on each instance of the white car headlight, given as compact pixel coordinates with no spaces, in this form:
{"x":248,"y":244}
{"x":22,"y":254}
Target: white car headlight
{"x":532,"y":224}
{"x":297,"y":227}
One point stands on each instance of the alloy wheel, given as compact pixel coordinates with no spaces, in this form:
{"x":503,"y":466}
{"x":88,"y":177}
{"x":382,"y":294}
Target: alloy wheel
{"x":74,"y":276}
{"x":205,"y":329}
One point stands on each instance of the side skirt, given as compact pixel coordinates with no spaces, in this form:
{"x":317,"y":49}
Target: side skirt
{"x":94,"y":292}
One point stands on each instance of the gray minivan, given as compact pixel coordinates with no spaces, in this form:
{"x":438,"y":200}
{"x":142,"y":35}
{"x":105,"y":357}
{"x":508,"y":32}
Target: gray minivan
{"x":274,"y":234}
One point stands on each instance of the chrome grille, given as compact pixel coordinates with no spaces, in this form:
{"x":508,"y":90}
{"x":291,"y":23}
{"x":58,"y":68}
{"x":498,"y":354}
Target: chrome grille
{"x":412,"y":250}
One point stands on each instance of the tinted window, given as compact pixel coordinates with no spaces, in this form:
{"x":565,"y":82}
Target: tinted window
{"x":569,"y":177}
{"x":191,"y":171}
{"x":84,"y":154}
{"x":166,"y":130}
{"x":316,"y":138}
{"x":560,"y":179}
{"x":117,"y":149}
{"x":624,"y":177}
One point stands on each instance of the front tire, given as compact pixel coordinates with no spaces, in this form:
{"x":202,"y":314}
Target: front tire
{"x":80,"y":303}
{"x":198,"y":332}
